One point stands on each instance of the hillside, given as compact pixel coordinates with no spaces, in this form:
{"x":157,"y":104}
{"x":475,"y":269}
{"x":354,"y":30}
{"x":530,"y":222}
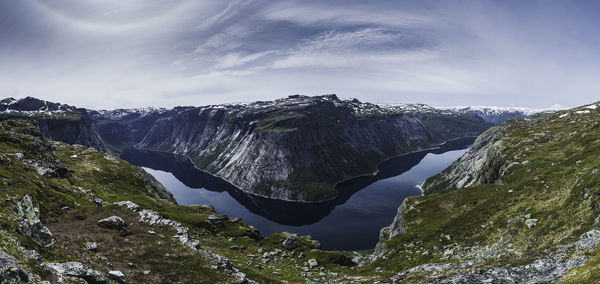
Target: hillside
{"x":521,"y":205}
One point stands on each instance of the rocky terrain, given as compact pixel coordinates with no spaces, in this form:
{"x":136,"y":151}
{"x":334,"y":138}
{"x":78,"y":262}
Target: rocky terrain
{"x":519,"y":207}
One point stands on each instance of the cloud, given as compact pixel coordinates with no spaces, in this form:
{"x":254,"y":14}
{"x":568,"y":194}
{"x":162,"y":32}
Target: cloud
{"x":113,"y":54}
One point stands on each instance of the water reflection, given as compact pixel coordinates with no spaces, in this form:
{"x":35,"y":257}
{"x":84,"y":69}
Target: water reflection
{"x":351,"y":221}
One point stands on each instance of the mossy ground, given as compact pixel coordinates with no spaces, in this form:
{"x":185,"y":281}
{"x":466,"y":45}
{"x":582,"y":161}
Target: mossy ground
{"x":555,"y":182}
{"x":67,"y":210}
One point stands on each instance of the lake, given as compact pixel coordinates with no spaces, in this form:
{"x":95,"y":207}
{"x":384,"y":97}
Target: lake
{"x":350,"y":222}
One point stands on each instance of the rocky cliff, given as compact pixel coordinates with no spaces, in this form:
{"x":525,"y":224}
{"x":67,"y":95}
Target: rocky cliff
{"x":297,"y":148}
{"x":57,"y":121}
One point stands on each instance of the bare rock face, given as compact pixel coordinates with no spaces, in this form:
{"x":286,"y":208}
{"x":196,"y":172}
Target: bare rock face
{"x":30,"y":224}
{"x":396,"y":228}
{"x":298,"y":148}
{"x":482,"y":164}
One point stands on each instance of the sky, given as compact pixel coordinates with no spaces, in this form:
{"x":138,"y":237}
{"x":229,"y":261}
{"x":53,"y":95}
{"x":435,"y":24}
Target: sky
{"x":137,"y":53}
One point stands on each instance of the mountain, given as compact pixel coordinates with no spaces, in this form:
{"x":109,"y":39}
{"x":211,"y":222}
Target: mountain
{"x":295,"y":148}
{"x":521,"y":206}
{"x":57,"y":121}
{"x":493,"y":114}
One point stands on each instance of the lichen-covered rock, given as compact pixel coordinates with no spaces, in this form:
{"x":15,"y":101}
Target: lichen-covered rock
{"x":78,"y":270}
{"x":11,"y":271}
{"x":30,"y":224}
{"x":112,"y":222}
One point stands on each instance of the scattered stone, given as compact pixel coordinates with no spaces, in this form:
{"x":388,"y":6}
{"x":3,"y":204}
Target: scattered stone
{"x":378,"y":269}
{"x":146,"y":272}
{"x":152,"y":232}
{"x":125,"y":232}
{"x":531,"y":222}
{"x":117,"y":275}
{"x":65,"y":208}
{"x":91,"y":246}
{"x":291,"y":241}
{"x":514,"y":222}
{"x":98,"y":201}
{"x":112,"y":222}
{"x":312,"y":263}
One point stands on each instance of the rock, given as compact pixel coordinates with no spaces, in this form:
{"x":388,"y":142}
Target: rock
{"x":514,"y":222}
{"x":291,"y":241}
{"x":98,"y":201}
{"x":125,"y":232}
{"x":117,"y":275}
{"x":78,"y":270}
{"x":531,"y":222}
{"x":378,"y":269}
{"x":316,"y":244}
{"x":112,"y":222}
{"x":312,"y":263}
{"x":11,"y":271}
{"x":91,"y":246}
{"x":30,"y":224}
{"x":216,"y":219}
{"x":146,"y":272}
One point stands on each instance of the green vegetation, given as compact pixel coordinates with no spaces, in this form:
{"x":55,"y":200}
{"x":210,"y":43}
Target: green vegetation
{"x":554,"y":181}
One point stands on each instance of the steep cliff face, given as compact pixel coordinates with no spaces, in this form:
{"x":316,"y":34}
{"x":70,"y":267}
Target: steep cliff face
{"x":56,"y":121}
{"x":121,"y":129}
{"x":298,"y":148}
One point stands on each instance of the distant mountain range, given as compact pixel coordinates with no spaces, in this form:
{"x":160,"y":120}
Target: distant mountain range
{"x":296,"y":148}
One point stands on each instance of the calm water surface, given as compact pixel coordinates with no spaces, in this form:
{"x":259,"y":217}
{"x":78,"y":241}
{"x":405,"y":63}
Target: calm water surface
{"x":351,"y":222}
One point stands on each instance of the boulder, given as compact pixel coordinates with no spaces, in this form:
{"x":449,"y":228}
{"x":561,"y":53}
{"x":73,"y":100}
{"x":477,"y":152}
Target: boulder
{"x":125,"y":232}
{"x":312,"y":263}
{"x":291,"y":241}
{"x":112,"y":222}
{"x":30,"y":224}
{"x":117,"y":275}
{"x":79,"y":270}
{"x":10,"y":270}
{"x":91,"y":246}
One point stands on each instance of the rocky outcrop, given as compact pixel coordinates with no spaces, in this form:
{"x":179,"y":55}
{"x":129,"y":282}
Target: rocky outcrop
{"x":483,"y":163}
{"x":69,"y":270}
{"x":56,"y":121}
{"x":11,"y":271}
{"x":182,"y":234}
{"x":396,"y":228}
{"x":544,"y":270}
{"x":30,"y":224}
{"x":112,"y":222}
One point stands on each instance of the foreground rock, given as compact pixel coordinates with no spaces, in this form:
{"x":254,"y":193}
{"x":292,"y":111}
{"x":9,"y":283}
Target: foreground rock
{"x":11,"y":271}
{"x":30,"y":224}
{"x":77,"y":270}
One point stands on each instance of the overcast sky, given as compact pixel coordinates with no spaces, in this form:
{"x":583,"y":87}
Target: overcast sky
{"x":134,"y":53}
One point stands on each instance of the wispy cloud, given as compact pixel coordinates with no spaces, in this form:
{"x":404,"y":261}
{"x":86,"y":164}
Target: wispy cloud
{"x":132,"y":53}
